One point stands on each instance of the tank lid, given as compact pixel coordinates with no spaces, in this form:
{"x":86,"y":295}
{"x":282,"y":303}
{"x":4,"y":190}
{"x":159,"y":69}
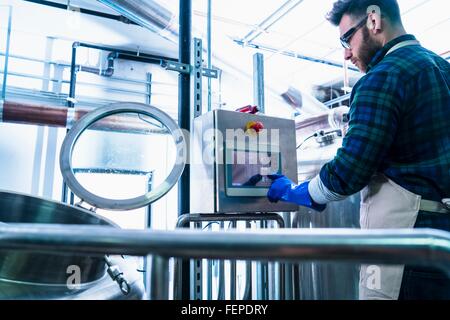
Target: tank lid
{"x":95,"y":117}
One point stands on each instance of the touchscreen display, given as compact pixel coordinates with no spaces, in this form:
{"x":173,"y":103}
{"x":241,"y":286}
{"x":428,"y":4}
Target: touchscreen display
{"x":250,"y":168}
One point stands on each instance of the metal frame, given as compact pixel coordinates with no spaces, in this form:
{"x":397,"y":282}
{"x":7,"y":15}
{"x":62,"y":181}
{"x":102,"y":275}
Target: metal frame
{"x":273,"y":18}
{"x":128,"y":204}
{"x":196,"y":276}
{"x":197,"y":77}
{"x":184,"y":121}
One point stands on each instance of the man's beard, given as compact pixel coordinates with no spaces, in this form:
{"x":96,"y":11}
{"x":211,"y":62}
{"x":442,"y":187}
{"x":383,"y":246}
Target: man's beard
{"x":368,"y":50}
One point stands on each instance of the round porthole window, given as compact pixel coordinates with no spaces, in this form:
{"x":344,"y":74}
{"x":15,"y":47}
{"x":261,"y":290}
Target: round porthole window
{"x":123,"y":156}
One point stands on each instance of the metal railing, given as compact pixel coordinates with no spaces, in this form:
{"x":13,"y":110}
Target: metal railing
{"x":417,"y":247}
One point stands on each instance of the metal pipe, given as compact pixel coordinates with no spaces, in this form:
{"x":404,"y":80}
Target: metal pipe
{"x":293,"y":54}
{"x":184,"y":110}
{"x":276,"y":16}
{"x":127,"y":54}
{"x":184,"y":121}
{"x":117,"y":53}
{"x":248,"y":273}
{"x":221,"y":284}
{"x":258,"y":81}
{"x":233,"y":264}
{"x":35,"y":59}
{"x":158,"y":278}
{"x":92,"y":70}
{"x":148,"y":14}
{"x":149,"y":88}
{"x":404,"y":246}
{"x":196,"y":279}
{"x":108,"y":72}
{"x":208,"y":217}
{"x":73,"y":76}
{"x":82,"y":10}
{"x":209,"y":274}
{"x":155,"y":60}
{"x":262,"y":274}
{"x":15,"y":112}
{"x":338,"y":100}
{"x":288,"y":286}
{"x":311,"y":125}
{"x":8,"y":43}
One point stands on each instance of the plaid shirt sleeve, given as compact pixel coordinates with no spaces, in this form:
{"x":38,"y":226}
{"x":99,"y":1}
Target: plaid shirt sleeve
{"x":374,"y":114}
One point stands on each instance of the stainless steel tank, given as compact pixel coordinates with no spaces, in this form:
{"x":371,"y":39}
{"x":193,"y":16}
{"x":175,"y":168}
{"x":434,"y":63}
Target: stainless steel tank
{"x":34,"y":275}
{"x":324,"y":281}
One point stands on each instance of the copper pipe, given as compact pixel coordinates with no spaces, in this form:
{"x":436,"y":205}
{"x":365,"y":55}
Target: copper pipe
{"x":15,"y":112}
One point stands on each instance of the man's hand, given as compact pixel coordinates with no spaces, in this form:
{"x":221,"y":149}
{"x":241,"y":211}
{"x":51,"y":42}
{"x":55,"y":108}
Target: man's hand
{"x":285,"y":190}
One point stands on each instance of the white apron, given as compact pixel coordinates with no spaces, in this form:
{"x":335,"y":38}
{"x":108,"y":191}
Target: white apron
{"x":386,"y":205}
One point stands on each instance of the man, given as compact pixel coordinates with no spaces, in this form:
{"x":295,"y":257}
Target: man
{"x":397,"y":148}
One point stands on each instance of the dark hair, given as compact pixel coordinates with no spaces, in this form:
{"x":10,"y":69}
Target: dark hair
{"x":358,"y":8}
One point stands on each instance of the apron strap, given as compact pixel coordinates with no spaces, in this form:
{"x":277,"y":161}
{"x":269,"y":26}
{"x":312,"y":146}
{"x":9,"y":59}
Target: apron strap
{"x":434,"y":206}
{"x":403,"y":44}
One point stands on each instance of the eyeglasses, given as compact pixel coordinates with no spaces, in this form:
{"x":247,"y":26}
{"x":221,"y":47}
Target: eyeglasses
{"x":345,"y":39}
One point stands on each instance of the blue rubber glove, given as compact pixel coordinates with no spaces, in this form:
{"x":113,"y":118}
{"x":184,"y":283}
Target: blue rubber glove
{"x":285,"y":190}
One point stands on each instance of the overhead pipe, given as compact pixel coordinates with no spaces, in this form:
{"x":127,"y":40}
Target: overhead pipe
{"x":293,"y":54}
{"x":276,"y":16}
{"x":108,"y":72}
{"x":64,"y":117}
{"x":148,"y":14}
{"x":82,"y":10}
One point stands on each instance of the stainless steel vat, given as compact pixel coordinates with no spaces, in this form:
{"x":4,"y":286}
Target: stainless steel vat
{"x":34,"y":275}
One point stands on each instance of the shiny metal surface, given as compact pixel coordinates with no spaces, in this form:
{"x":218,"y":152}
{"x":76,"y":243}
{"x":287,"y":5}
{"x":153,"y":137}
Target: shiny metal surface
{"x":45,"y":268}
{"x":158,"y":278}
{"x":127,"y":204}
{"x":394,"y":246}
{"x":30,"y":274}
{"x":419,"y":247}
{"x":101,"y":289}
{"x":208,"y":188}
{"x":148,"y":14}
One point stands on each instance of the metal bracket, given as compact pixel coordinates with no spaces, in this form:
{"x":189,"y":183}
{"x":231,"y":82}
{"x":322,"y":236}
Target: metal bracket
{"x":176,"y":66}
{"x":186,"y":68}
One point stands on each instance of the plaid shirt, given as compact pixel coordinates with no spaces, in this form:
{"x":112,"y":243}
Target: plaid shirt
{"x":399,"y":125}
